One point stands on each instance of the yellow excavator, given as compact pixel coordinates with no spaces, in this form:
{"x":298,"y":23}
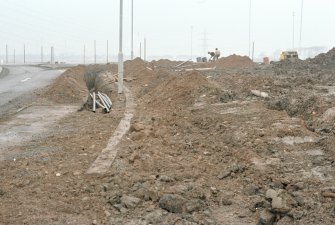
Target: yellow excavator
{"x":289,"y":55}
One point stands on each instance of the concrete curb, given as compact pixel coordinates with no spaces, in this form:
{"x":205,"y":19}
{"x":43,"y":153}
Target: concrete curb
{"x":106,"y":158}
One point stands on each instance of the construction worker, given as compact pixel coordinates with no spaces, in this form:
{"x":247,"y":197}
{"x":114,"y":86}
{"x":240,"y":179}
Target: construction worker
{"x":212,"y":58}
{"x":217,"y":54}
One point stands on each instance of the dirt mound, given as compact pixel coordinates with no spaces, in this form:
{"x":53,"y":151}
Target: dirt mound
{"x":325,"y":58}
{"x":69,"y":88}
{"x":179,"y":89}
{"x":234,"y":61}
{"x":165,"y":63}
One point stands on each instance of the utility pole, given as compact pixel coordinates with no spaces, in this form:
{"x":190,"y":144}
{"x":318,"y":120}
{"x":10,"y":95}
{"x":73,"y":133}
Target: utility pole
{"x":120,"y":66}
{"x":6,"y":54}
{"x":205,"y":42}
{"x":132,"y":29}
{"x":42,"y":54}
{"x":52,"y":55}
{"x":300,"y":38}
{"x":141,"y":50}
{"x":253,"y":51}
{"x":191,"y":43}
{"x":95,"y":52}
{"x":145,"y":50}
{"x":24,"y":54}
{"x":249,"y":27}
{"x":107,"y":51}
{"x":293,"y":31}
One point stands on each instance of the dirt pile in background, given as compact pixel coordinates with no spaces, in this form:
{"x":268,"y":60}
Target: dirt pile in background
{"x":165,"y":63}
{"x":178,"y":89}
{"x":234,"y":61}
{"x":325,"y":59}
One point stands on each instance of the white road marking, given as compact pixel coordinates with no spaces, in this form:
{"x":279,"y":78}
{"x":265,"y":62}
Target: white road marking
{"x":24,"y":80}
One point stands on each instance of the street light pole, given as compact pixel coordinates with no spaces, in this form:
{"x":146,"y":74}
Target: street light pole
{"x":120,"y":67}
{"x":132,"y":29}
{"x":300,"y":38}
{"x":293,"y":31}
{"x":249,"y":27}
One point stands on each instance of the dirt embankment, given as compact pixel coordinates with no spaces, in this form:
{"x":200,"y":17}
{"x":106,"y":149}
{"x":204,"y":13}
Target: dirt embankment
{"x":202,"y":149}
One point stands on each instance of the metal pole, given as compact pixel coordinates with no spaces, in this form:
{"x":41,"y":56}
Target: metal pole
{"x":42,"y":54}
{"x":107,"y":51}
{"x":132,"y":29}
{"x":95,"y":52}
{"x":191,"y":43}
{"x":6,"y":54}
{"x":145,"y":50}
{"x":300,"y":38}
{"x":120,"y":66}
{"x":293,"y":32}
{"x":24,"y":54}
{"x":249,"y":27}
{"x":84,"y":54}
{"x":253,"y":51}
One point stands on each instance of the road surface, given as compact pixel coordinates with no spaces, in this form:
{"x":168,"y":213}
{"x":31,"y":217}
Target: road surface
{"x":24,"y":79}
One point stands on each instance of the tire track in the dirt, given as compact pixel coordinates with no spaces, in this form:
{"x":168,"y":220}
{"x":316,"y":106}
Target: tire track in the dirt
{"x":105,"y":159}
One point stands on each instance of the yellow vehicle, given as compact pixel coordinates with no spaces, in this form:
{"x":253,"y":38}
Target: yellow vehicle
{"x":289,"y":55}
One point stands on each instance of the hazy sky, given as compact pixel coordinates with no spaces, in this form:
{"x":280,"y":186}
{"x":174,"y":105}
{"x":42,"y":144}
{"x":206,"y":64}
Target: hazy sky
{"x":68,"y":24}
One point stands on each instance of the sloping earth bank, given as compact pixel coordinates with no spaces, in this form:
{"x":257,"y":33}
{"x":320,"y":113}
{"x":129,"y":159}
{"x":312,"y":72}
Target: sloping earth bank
{"x":202,"y":149}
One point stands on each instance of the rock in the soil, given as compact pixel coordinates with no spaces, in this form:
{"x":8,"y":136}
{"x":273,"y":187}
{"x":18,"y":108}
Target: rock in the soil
{"x":165,"y":178}
{"x":154,"y":217}
{"x":194,"y":205}
{"x":280,"y":205}
{"x":270,"y":194}
{"x":129,"y":202}
{"x":172,"y":203}
{"x":282,"y":202}
{"x":137,"y":127}
{"x":285,"y":221}
{"x":224,"y":174}
{"x":266,"y":217}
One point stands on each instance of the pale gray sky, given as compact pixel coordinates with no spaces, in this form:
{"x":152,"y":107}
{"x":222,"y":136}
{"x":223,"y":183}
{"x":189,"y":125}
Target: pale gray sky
{"x":68,"y":24}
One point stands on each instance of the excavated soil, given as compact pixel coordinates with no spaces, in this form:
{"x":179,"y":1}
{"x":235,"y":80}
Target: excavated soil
{"x":202,"y":149}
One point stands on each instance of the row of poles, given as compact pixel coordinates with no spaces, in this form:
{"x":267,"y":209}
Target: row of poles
{"x":52,"y":55}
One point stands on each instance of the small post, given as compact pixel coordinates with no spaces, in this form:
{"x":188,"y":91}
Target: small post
{"x":24,"y":54}
{"x":95,"y":52}
{"x":191,"y":43}
{"x":42,"y":56}
{"x":107,"y":52}
{"x":94,"y":104}
{"x":84,"y":54}
{"x":6,"y":54}
{"x":145,"y":49}
{"x":253,"y":50}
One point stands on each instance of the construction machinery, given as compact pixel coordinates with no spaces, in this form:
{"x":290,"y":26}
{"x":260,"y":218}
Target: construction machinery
{"x":289,"y":55}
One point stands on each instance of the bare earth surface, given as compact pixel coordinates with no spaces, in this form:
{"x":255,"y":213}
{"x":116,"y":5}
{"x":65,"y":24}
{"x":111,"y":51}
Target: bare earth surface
{"x":202,"y":148}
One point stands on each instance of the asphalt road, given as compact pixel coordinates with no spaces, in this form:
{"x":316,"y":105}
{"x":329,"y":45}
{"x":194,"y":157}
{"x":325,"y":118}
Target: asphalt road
{"x":24,"y":79}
